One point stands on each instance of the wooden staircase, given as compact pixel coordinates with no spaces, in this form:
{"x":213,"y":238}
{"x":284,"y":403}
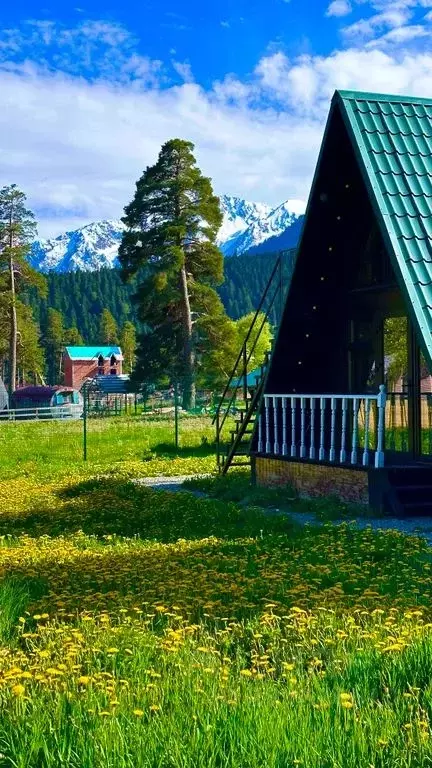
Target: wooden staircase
{"x":235,"y":450}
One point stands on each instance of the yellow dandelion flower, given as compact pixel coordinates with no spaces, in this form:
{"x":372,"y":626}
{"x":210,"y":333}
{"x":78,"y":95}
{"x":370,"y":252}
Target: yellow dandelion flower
{"x":18,"y":690}
{"x":154,"y":708}
{"x":138,"y":712}
{"x":246,"y":672}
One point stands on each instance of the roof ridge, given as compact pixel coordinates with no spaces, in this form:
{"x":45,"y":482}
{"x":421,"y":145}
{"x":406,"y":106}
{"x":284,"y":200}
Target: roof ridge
{"x":368,"y":96}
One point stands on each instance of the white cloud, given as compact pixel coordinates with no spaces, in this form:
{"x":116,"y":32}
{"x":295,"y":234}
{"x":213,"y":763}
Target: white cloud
{"x":395,"y":17}
{"x":339,"y":8}
{"x":76,"y":146}
{"x":400,"y":35}
{"x":183,"y":68}
{"x":387,"y":17}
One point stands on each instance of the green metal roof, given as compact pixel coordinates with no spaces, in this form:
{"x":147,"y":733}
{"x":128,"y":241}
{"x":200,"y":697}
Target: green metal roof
{"x":392,"y":138}
{"x":251,"y":379}
{"x":90,"y":353}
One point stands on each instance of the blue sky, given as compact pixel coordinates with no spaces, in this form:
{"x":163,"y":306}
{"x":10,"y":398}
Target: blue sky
{"x":91,"y":89}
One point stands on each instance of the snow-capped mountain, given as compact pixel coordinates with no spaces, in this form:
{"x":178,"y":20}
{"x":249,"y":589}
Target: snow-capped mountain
{"x":89,"y":248}
{"x":245,"y":225}
{"x":261,"y":228}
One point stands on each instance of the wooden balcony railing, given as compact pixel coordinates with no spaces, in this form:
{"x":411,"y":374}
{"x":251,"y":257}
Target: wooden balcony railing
{"x":341,"y":429}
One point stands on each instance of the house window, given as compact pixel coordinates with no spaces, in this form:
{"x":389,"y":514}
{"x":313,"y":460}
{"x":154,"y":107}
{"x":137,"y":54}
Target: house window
{"x":101,"y":366}
{"x":113,"y":365}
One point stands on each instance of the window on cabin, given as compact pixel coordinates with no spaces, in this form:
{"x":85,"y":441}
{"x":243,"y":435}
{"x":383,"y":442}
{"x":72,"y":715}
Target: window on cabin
{"x":113,"y":365}
{"x":101,"y":365}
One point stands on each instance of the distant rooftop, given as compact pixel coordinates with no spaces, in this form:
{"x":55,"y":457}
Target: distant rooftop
{"x":92,"y":353}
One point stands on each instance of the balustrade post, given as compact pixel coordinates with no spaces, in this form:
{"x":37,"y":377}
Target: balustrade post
{"x":342,"y":456}
{"x":260,"y":440}
{"x":293,"y":426}
{"x":284,"y":427}
{"x":312,"y":428}
{"x":354,"y":433}
{"x":275,"y":426}
{"x":321,"y":454}
{"x":267,"y":418}
{"x":381,"y":403}
{"x":332,"y":453}
{"x":302,"y":427}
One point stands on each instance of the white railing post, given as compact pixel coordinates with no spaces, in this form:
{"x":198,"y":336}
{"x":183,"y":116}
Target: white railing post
{"x":321,"y":454}
{"x":260,"y":441}
{"x":381,"y":403}
{"x":342,"y":456}
{"x":312,"y":428}
{"x":284,"y":427}
{"x":354,"y":433}
{"x":302,"y":427}
{"x":275,"y":423}
{"x":332,"y":454}
{"x":267,"y":418}
{"x":366,"y":433}
{"x":276,"y":427}
{"x":293,"y":426}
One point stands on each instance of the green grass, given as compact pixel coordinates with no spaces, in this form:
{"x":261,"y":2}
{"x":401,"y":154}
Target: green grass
{"x":55,"y":448}
{"x":144,"y":629}
{"x":238,"y":487}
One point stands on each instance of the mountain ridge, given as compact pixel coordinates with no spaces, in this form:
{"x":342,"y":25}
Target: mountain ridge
{"x":246,"y":225}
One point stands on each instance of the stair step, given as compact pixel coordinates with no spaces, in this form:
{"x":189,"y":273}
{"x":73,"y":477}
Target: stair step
{"x":240,"y":464}
{"x":407,"y":493}
{"x":418,"y":507}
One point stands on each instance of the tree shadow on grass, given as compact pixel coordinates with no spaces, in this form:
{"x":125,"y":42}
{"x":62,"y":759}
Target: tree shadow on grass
{"x":187,"y":451}
{"x":104,"y":507}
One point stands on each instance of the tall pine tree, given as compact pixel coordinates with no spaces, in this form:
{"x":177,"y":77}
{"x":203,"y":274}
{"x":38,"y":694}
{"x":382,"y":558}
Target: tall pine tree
{"x":17,"y":229}
{"x":172,"y":224}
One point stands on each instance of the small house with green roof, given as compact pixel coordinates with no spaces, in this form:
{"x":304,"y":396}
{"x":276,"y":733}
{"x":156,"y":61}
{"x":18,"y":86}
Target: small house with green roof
{"x":83,"y":363}
{"x":343,"y":408}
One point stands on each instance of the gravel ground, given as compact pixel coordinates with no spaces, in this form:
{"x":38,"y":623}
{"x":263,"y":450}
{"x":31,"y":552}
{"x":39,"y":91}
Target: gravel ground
{"x":420,"y":526}
{"x":169,"y":483}
{"x":417,"y":526}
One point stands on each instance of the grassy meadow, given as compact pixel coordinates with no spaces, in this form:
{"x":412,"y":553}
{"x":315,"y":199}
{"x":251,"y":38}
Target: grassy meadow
{"x":141,"y":628}
{"x":46,"y":448}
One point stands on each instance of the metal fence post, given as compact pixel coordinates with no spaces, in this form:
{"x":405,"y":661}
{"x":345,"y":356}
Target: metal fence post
{"x":176,"y":425}
{"x":85,"y":425}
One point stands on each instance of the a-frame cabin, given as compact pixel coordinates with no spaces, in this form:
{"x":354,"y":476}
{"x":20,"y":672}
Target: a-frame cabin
{"x":346,"y":405}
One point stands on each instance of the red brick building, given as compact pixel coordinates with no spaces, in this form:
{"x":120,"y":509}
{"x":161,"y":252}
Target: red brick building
{"x":81,"y":363}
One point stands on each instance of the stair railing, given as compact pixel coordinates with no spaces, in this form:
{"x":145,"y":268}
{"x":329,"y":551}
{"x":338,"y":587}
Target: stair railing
{"x":244,"y":357}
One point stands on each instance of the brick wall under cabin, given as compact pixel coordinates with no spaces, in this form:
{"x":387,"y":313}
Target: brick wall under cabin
{"x":314,"y":480}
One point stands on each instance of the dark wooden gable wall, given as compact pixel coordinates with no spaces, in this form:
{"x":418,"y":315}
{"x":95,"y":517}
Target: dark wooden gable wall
{"x":340,"y":250}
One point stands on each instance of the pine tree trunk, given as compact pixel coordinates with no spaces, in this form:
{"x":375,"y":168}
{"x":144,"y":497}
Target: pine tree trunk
{"x":13,"y":329}
{"x":189,"y":353}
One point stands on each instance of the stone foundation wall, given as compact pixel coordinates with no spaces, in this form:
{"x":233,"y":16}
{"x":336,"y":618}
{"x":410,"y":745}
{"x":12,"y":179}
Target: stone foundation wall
{"x":314,"y":480}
